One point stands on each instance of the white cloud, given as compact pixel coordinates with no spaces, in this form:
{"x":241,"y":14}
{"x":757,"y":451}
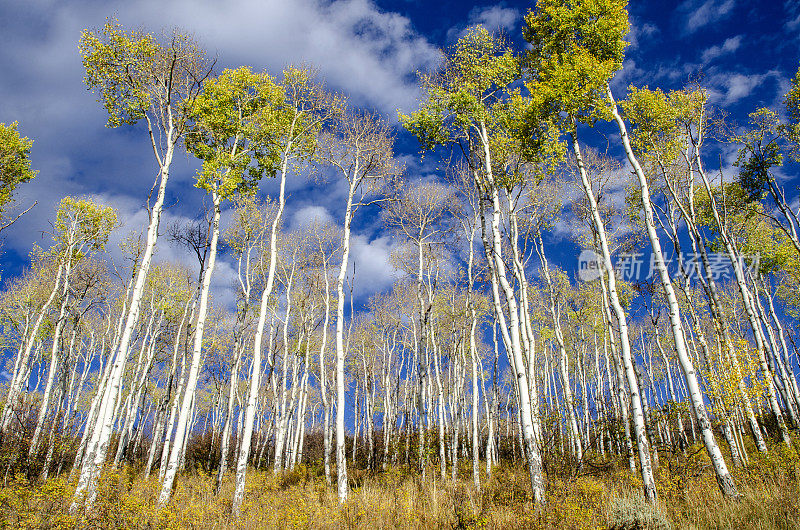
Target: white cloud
{"x":368,"y":54}
{"x":740,"y":86}
{"x":792,"y":16}
{"x":308,"y":215}
{"x":640,"y":31}
{"x":707,"y":13}
{"x":629,"y":73}
{"x":729,"y":46}
{"x":726,"y":89}
{"x":374,"y":272}
{"x":495,"y":17}
{"x":794,"y":24}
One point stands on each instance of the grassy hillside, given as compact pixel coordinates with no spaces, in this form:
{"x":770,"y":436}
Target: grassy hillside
{"x":604,"y":494}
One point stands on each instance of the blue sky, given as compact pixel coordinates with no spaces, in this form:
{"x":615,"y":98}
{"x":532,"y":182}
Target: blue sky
{"x":746,"y":51}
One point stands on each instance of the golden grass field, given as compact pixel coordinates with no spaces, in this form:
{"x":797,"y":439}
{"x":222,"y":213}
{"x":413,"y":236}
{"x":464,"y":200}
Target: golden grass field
{"x":602,"y":494}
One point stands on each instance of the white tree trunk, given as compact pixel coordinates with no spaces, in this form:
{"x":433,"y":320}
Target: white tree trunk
{"x":622,"y":320}
{"x":342,"y":486}
{"x":499,"y":269}
{"x":724,"y":478}
{"x":255,"y":377}
{"x":181,"y":434}
{"x":51,"y":373}
{"x":98,"y":444}
{"x":24,"y":354}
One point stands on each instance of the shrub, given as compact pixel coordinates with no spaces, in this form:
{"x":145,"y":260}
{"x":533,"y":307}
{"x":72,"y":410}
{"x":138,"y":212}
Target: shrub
{"x":631,"y":512}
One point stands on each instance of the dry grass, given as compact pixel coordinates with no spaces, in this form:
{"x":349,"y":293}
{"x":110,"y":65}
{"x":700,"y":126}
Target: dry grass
{"x":603,"y":496}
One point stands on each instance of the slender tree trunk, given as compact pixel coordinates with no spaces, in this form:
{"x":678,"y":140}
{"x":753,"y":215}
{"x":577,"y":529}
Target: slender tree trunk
{"x":228,"y":426}
{"x":98,"y":445}
{"x":724,"y":478}
{"x":495,"y":255}
{"x":51,"y":376}
{"x":25,"y":350}
{"x":636,"y":402}
{"x":182,"y":433}
{"x":252,"y":397}
{"x":343,"y":487}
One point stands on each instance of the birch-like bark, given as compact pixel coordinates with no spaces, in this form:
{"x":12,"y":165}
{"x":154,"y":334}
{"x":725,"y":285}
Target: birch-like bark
{"x":473,"y":353}
{"x":710,"y":287}
{"x":255,"y":376}
{"x":229,"y":410}
{"x":724,"y":478}
{"x":495,"y":254}
{"x":182,"y":429}
{"x":569,"y":403}
{"x":342,"y":486}
{"x":24,"y":354}
{"x":102,"y":429}
{"x":281,"y":413}
{"x":622,"y":320}
{"x":747,"y":298}
{"x":51,"y":372}
{"x":326,"y":410}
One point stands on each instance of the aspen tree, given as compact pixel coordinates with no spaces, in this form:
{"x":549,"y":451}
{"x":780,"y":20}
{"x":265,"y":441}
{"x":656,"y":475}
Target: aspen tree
{"x":766,"y":145}
{"x":82,"y":229}
{"x":180,"y":300}
{"x":755,"y":234}
{"x":466,"y":211}
{"x":251,"y":219}
{"x":724,"y":478}
{"x":31,"y":329}
{"x":729,"y":244}
{"x":306,"y":108}
{"x":15,"y":168}
{"x":576,"y":49}
{"x":469,"y":105}
{"x":324,"y":239}
{"x":418,"y":213}
{"x":359,"y":147}
{"x":667,"y":128}
{"x":233,"y":126}
{"x":137,"y":77}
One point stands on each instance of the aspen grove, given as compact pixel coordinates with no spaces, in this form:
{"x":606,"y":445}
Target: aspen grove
{"x":582,"y":289}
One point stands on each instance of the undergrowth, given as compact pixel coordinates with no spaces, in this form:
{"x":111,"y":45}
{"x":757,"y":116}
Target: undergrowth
{"x":600,"y":494}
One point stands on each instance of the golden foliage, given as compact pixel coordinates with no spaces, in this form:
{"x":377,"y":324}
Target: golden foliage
{"x":396,"y":499}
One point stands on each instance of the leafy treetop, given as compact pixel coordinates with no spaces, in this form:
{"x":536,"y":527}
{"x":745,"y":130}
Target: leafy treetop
{"x":83,"y":224}
{"x":475,"y":77}
{"x":137,"y":77}
{"x":236,"y":117}
{"x":576,"y":47}
{"x":475,"y":101}
{"x":15,"y":163}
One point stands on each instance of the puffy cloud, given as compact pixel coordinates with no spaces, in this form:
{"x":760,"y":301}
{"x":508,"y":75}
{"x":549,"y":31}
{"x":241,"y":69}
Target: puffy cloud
{"x":369,"y":54}
{"x":374,"y":271}
{"x":729,"y":88}
{"x":629,"y":73}
{"x":495,"y":17}
{"x":308,"y":215}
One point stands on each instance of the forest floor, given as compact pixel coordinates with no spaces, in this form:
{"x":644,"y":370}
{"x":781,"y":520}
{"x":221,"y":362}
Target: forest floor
{"x":602,"y":494}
